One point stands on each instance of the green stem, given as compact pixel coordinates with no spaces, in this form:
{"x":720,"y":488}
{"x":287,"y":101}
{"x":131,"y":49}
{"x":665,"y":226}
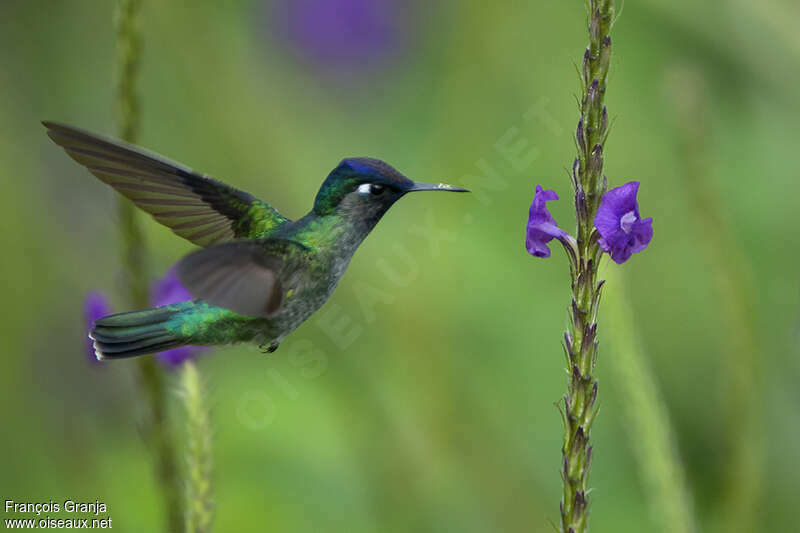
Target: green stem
{"x":159,"y":437}
{"x":151,"y":378}
{"x":650,"y":430}
{"x":580,"y":344}
{"x":199,"y":493}
{"x":742,"y":352}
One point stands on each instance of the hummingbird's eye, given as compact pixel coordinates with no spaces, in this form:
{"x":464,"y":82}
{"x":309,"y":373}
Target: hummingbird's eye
{"x":370,"y":188}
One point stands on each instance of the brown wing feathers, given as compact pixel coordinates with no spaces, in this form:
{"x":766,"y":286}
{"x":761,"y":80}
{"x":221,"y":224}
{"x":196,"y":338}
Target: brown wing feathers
{"x":194,"y":206}
{"x":248,"y":277}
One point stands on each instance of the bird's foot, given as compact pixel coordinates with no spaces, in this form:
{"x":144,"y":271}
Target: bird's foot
{"x":268,"y":349}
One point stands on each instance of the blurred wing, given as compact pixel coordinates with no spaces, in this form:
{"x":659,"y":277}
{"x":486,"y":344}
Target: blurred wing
{"x":248,"y":277}
{"x":194,"y":206}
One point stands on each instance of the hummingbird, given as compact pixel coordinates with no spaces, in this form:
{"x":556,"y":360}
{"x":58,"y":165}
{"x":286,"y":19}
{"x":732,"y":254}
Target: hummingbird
{"x":258,"y":275}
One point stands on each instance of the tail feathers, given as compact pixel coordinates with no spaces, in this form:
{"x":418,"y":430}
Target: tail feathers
{"x":135,"y":333}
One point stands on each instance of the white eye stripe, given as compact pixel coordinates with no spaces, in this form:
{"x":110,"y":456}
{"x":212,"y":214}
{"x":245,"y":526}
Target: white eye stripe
{"x":373,"y":189}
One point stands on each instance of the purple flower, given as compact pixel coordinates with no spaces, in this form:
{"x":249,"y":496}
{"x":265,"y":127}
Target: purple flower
{"x":168,"y":290}
{"x":95,"y":305}
{"x":541,"y":227}
{"x":344,"y":36}
{"x":176,"y":356}
{"x":622,"y":231}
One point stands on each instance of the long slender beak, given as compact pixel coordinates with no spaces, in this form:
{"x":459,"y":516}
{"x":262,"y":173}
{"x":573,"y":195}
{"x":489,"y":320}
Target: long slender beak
{"x":419,"y":186}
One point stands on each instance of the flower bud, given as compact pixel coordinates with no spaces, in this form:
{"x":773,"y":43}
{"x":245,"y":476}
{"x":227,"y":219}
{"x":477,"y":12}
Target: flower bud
{"x":587,"y":56}
{"x":594,"y":27}
{"x":580,"y":136}
{"x":603,"y":122}
{"x":604,"y":59}
{"x":596,"y":161}
{"x":576,"y":172}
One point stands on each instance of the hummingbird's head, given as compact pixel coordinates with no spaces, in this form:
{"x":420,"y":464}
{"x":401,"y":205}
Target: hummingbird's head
{"x":365,"y":188}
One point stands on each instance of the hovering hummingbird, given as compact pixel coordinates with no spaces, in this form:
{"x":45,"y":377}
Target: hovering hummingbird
{"x":259,"y":275}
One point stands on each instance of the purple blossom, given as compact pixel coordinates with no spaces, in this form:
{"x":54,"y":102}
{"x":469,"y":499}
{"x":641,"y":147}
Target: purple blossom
{"x":168,"y":290}
{"x":176,"y":356}
{"x":622,"y":231}
{"x":95,"y":305}
{"x":344,"y":36}
{"x":541,"y":228}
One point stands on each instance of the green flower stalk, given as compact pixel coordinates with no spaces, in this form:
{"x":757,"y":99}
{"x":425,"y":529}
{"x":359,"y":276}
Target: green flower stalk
{"x":742,"y":352}
{"x":127,"y":103}
{"x":151,"y":379}
{"x":199,"y":489}
{"x":650,"y":428}
{"x":159,"y":437}
{"x":580,"y":341}
{"x":607,"y":221}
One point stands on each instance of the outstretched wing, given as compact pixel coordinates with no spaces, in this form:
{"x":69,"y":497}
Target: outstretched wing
{"x":251,"y":278}
{"x":192,"y":205}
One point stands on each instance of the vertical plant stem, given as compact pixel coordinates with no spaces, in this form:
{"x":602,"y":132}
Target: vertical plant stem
{"x":580,"y":344}
{"x":743,"y":440}
{"x":127,"y":104}
{"x":159,"y":437}
{"x":134,"y":261}
{"x":199,"y":491}
{"x":652,"y":439}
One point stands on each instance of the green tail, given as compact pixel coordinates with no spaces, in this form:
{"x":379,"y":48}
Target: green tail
{"x":163,"y":328}
{"x":137,"y":333}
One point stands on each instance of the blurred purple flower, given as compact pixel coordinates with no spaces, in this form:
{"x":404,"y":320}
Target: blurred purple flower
{"x":622,"y":230}
{"x":176,"y":356}
{"x":95,"y":305}
{"x":541,"y":228}
{"x":166,"y":290}
{"x":344,"y":34}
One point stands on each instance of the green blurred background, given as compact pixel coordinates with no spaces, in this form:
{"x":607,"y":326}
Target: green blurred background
{"x":431,"y":407}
